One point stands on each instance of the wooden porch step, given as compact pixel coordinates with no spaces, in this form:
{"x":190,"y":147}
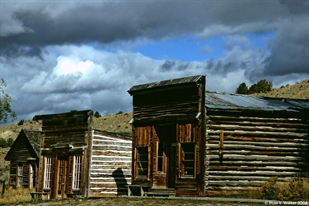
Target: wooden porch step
{"x":161,"y":192}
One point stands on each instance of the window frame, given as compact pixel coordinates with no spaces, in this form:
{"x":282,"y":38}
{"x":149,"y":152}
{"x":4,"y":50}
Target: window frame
{"x":77,"y":171}
{"x":20,"y":175}
{"x":47,"y":173}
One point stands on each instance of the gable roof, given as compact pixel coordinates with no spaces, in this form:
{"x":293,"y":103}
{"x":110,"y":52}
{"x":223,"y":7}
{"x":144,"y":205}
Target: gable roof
{"x":30,"y":137}
{"x":167,"y":83}
{"x":227,"y":101}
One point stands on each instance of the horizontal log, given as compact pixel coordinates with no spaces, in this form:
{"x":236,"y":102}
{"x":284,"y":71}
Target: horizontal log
{"x":249,"y":178}
{"x":257,"y":133}
{"x":112,"y":153}
{"x":247,"y":153}
{"x":248,"y":163}
{"x":98,"y":137}
{"x":256,"y":128}
{"x":253,"y":158}
{"x":274,"y":124}
{"x":107,"y":175}
{"x":247,"y":173}
{"x":251,"y":118}
{"x":249,"y":148}
{"x":108,"y":171}
{"x":243,"y":188}
{"x":234,"y":183}
{"x":266,"y":144}
{"x":251,"y":168}
{"x":109,"y":142}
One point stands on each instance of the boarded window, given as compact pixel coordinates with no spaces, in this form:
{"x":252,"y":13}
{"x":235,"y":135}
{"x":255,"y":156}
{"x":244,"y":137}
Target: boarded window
{"x":77,"y":166}
{"x":47,"y":172}
{"x":142,"y":161}
{"x":20,"y":175}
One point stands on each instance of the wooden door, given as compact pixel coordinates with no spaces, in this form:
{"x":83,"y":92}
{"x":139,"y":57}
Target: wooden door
{"x":62,"y":177}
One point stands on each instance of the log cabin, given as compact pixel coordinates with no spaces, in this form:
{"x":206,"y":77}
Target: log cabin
{"x":187,"y":141}
{"x":77,"y":159}
{"x":24,"y":157}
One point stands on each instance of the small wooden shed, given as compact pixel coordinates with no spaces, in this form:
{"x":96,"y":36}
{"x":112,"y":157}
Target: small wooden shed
{"x":169,"y":137}
{"x":78,"y":160}
{"x":189,"y":142}
{"x":24,"y":159}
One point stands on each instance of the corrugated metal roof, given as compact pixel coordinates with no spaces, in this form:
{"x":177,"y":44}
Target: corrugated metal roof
{"x":235,"y":101}
{"x":165,"y":83}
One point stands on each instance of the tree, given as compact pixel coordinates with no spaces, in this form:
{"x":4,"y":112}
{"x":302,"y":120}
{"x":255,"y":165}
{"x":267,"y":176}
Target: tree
{"x":97,"y":114}
{"x":262,"y":86}
{"x":242,"y":89}
{"x":6,"y":111}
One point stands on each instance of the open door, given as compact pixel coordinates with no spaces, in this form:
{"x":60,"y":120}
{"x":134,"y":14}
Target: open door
{"x":164,"y":156}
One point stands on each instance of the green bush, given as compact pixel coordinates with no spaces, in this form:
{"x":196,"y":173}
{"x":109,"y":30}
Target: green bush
{"x":3,"y":143}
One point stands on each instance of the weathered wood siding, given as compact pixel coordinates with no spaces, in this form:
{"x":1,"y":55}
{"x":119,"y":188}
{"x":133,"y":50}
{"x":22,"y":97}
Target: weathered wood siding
{"x":244,"y":149}
{"x":111,"y":159}
{"x":64,"y":135}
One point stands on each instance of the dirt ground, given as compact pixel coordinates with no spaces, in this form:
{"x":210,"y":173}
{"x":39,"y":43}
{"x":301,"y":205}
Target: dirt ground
{"x":135,"y":201}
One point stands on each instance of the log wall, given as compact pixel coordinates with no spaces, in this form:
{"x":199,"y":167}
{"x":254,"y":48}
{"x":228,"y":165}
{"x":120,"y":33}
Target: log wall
{"x":111,"y":160}
{"x":244,"y":149}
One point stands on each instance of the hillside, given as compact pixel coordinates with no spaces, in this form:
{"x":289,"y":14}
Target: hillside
{"x":299,"y":90}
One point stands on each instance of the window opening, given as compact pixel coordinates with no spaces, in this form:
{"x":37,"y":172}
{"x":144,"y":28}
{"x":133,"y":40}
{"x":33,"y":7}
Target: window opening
{"x":47,"y":172}
{"x":20,"y":175}
{"x":142,"y":161}
{"x":77,"y":172}
{"x":188,"y":160}
{"x":31,"y":176}
{"x":160,"y":157}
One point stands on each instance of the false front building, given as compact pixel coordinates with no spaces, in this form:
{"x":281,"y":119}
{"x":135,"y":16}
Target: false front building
{"x":169,"y":136}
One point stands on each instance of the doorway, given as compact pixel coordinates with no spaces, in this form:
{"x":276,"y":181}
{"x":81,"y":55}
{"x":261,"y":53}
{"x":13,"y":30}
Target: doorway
{"x":165,"y":155}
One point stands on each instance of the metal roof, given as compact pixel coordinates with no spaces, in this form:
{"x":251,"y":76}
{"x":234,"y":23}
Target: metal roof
{"x":246,"y":102}
{"x":165,"y":83}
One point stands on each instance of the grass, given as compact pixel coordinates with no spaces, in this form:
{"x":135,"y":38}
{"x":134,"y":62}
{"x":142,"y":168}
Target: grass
{"x":296,"y":189}
{"x":14,"y":196}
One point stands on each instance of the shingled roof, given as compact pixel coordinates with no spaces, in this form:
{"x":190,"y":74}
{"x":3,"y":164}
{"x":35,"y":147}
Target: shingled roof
{"x":32,"y":138}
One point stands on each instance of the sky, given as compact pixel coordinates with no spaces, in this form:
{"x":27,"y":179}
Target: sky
{"x":58,"y":56}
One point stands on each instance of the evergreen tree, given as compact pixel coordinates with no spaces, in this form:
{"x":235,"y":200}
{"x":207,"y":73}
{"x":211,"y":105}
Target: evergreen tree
{"x":242,"y":89}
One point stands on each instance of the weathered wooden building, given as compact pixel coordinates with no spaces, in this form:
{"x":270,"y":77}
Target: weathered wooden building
{"x":190,"y":142}
{"x":24,"y":159}
{"x":169,"y":137}
{"x":78,"y":159}
{"x":249,"y":139}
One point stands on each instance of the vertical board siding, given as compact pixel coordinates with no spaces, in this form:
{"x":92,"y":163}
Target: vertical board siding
{"x":110,"y":171}
{"x":242,"y":152}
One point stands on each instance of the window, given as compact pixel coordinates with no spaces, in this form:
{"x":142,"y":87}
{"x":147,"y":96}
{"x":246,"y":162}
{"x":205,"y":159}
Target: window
{"x":47,"y":172}
{"x":142,"y":161}
{"x":77,"y":166}
{"x":31,"y":176}
{"x":160,"y":157}
{"x":188,"y":160}
{"x":20,"y":175}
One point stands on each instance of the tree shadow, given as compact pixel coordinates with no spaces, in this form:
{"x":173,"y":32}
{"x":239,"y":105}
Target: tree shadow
{"x":121,"y":181}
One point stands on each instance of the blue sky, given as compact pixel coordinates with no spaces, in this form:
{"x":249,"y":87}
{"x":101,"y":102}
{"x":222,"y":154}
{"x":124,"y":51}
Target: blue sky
{"x":56,"y":61}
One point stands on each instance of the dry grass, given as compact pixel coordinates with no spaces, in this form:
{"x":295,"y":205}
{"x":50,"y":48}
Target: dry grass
{"x":295,"y":190}
{"x":13,"y":196}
